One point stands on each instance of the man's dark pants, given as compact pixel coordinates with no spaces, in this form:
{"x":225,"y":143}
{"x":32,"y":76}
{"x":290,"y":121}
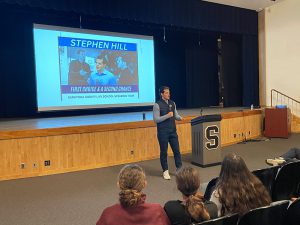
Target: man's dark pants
{"x":165,"y":137}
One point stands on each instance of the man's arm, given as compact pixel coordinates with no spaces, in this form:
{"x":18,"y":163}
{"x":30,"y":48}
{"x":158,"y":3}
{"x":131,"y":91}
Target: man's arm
{"x":156,"y":114}
{"x":176,"y":115}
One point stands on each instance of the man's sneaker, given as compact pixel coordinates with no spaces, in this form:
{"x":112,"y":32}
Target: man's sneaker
{"x":275,"y":162}
{"x":166,"y":175}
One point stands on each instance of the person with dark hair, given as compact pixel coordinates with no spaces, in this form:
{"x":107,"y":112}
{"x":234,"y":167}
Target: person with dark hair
{"x":193,"y":208}
{"x":126,"y":77}
{"x":164,"y":115}
{"x":292,"y":155}
{"x":132,"y":208}
{"x":102,"y":76}
{"x":237,"y":189}
{"x":79,"y":70}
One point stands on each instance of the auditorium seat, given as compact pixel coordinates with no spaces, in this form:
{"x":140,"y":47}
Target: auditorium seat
{"x":286,"y":184}
{"x":268,"y":215}
{"x":293,"y":214}
{"x":267,"y":176}
{"x":210,"y":188}
{"x":225,"y":220}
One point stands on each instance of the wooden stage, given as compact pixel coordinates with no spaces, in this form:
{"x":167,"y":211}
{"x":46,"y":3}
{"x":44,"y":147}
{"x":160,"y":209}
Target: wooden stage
{"x":87,"y":142}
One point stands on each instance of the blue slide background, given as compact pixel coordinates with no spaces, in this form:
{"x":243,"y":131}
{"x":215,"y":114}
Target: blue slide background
{"x":52,"y":65}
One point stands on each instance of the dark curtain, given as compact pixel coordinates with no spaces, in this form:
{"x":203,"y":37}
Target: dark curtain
{"x":192,"y":14}
{"x":202,"y":73}
{"x":17,"y":72}
{"x":250,"y":71}
{"x":17,"y":93}
{"x":183,"y":21}
{"x":232,"y":70}
{"x":170,"y":64}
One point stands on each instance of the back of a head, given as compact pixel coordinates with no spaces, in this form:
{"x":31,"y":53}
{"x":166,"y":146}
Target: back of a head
{"x":238,"y":188}
{"x":132,"y":181}
{"x":187,"y":180}
{"x":234,"y":167}
{"x":188,"y":183}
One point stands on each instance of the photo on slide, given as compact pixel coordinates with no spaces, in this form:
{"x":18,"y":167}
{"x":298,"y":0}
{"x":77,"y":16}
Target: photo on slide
{"x":95,"y":66}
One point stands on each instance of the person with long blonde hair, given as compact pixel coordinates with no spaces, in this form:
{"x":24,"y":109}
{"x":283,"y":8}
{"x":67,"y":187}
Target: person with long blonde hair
{"x":132,"y":208}
{"x":192,"y":207}
{"x":237,"y":189}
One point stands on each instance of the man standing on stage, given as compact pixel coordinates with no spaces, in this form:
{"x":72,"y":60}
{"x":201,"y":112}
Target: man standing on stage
{"x":164,"y":115}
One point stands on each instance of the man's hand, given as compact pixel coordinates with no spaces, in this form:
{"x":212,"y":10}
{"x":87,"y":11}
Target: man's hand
{"x":170,"y":114}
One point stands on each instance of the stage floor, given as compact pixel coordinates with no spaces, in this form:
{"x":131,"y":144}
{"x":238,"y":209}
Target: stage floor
{"x":86,"y":120}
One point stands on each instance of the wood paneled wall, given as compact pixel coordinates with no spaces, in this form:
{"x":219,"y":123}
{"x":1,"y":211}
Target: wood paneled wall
{"x":240,"y":126}
{"x":87,"y":147}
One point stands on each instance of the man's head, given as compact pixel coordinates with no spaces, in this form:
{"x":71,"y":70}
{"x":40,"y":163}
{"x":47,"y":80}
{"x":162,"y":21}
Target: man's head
{"x":164,"y":92}
{"x":81,"y":55}
{"x":101,"y":63}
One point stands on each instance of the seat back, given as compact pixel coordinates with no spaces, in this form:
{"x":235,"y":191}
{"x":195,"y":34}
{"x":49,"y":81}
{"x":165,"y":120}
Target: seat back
{"x":225,"y":220}
{"x":267,"y":176}
{"x":268,"y":215}
{"x":286,"y":184}
{"x":293,"y":214}
{"x":210,"y":188}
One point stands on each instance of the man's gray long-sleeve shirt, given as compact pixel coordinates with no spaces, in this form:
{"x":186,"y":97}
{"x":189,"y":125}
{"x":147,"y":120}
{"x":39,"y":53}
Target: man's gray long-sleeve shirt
{"x":158,"y":119}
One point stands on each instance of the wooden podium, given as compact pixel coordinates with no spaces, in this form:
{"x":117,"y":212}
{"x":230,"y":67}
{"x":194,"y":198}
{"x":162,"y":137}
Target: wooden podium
{"x":277,"y":122}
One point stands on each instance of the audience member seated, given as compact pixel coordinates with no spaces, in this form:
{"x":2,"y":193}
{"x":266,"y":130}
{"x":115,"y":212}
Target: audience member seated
{"x":132,"y":208}
{"x":237,"y":189}
{"x":193,"y":207}
{"x":291,"y":155}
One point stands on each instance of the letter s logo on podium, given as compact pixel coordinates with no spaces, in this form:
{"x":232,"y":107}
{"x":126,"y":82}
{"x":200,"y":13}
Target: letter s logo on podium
{"x":212,"y":137}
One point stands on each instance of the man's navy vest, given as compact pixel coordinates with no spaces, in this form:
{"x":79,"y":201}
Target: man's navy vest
{"x":165,"y":108}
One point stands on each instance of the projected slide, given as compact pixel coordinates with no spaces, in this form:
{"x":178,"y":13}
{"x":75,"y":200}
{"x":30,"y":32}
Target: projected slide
{"x":78,"y":69}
